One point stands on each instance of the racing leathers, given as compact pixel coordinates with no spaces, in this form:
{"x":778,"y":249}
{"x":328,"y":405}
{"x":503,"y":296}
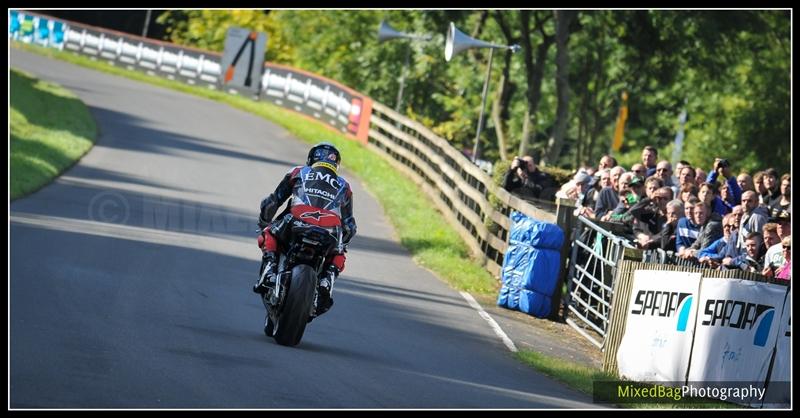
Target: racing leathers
{"x":318,"y":197}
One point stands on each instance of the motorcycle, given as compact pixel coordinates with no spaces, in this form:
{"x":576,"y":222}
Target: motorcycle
{"x":295,"y":299}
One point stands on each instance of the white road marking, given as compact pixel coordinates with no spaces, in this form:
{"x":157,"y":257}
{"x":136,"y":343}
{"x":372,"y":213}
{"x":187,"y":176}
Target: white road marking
{"x":492,"y":323}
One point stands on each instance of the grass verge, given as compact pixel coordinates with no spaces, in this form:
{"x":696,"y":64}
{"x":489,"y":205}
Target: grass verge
{"x":50,"y":129}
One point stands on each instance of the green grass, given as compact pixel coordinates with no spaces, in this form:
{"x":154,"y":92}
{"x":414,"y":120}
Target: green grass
{"x":51,"y":129}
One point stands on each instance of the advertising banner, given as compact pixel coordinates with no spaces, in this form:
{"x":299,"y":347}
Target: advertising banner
{"x":738,"y":323}
{"x":778,"y":386}
{"x":658,"y":330}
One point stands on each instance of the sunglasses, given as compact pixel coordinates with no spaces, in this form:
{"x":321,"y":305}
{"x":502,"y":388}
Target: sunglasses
{"x":787,"y":247}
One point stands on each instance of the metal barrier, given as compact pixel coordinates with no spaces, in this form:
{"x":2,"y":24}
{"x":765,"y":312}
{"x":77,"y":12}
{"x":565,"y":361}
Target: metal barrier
{"x":593,"y":264}
{"x":325,"y":100}
{"x":669,"y":258}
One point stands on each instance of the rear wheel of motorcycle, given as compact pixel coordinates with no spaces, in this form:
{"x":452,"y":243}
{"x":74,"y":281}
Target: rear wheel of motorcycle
{"x":291,"y":324}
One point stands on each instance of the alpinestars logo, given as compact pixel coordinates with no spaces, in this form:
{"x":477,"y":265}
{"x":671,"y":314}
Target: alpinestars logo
{"x":740,"y":315}
{"x":315,"y":215}
{"x":664,"y":304}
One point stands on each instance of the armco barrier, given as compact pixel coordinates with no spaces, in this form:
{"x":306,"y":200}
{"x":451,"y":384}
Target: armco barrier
{"x":325,"y":100}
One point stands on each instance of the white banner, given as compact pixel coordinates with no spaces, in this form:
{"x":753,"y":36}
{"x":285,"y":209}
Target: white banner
{"x":737,"y":327}
{"x":778,"y":390}
{"x":658,"y":330}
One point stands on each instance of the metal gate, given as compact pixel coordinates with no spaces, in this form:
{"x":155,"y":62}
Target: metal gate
{"x":595,"y":256}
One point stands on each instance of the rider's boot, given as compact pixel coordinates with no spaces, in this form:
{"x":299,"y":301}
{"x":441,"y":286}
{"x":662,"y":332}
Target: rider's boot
{"x":267,"y":281}
{"x":326,"y":282}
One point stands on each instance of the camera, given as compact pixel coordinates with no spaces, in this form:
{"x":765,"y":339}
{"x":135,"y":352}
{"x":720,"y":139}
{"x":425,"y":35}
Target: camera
{"x":723,"y":163}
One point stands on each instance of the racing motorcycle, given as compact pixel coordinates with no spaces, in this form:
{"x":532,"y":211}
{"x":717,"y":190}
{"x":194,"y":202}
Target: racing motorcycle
{"x":295,"y":299}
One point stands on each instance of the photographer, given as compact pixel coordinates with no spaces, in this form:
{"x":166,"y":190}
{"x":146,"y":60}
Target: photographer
{"x":525,"y":180}
{"x":722,"y":168}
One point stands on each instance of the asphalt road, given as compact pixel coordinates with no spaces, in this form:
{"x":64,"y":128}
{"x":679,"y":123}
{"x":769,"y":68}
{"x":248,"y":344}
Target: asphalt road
{"x":130,"y":280}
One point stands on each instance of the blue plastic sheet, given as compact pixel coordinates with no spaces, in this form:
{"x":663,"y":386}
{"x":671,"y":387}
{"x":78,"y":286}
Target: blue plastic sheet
{"x":531,"y":266}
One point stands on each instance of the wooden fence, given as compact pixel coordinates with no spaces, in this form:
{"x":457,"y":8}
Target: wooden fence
{"x":456,"y":186}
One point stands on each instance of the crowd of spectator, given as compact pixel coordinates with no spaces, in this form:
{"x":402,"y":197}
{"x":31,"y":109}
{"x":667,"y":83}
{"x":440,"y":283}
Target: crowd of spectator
{"x":715,"y":218}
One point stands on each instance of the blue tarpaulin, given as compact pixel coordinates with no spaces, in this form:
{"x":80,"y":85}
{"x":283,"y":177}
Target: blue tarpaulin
{"x":531,"y":266}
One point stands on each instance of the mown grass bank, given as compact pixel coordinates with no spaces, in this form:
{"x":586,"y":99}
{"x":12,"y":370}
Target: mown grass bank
{"x":50,"y":129}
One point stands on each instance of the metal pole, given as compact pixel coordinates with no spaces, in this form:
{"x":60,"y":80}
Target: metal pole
{"x":146,"y":23}
{"x":402,"y":81}
{"x":477,"y":148}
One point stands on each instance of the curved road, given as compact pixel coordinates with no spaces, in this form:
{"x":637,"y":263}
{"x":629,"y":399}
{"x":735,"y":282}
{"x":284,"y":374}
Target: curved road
{"x":130,"y":280}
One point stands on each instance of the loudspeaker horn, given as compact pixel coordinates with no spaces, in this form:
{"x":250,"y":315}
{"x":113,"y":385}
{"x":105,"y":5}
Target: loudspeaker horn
{"x":386,"y":32}
{"x":458,"y":41}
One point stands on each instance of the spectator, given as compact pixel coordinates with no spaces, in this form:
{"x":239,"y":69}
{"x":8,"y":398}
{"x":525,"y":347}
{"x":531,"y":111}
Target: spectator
{"x":770,"y":234}
{"x":607,"y":161}
{"x":722,"y":169}
{"x":753,"y":218}
{"x":699,"y":176}
{"x":753,"y":258}
{"x":622,"y":204}
{"x":738,"y":213}
{"x":609,"y":196}
{"x":758,"y":184}
{"x":784,"y":202}
{"x":650,"y":214}
{"x":616,"y":172}
{"x":774,"y":257}
{"x":666,"y":237}
{"x":525,"y":180}
{"x":649,"y":158}
{"x":772,"y":191}
{"x":784,"y":272}
{"x":709,"y":231}
{"x":687,"y":231}
{"x":708,"y":195}
{"x":678,"y":169}
{"x":725,"y":195}
{"x":664,"y":172}
{"x":688,"y":191}
{"x":639,"y":170}
{"x":651,"y":185}
{"x":712,"y":255}
{"x":686,"y":176}
{"x":600,"y":180}
{"x":745,"y":182}
{"x":576,"y":188}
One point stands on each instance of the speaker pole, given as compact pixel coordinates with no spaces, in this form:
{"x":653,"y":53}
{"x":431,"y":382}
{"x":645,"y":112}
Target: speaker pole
{"x":476,"y":150}
{"x":399,"y":101}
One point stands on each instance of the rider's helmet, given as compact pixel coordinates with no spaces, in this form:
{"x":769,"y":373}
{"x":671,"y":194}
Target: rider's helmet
{"x":324,"y":153}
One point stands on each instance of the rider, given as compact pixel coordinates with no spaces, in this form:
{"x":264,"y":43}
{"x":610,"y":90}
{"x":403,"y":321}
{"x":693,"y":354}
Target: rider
{"x":319,"y":197}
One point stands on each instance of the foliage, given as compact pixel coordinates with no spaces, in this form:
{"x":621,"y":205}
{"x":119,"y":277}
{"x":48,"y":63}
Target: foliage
{"x":206,"y":29}
{"x":730,"y":69}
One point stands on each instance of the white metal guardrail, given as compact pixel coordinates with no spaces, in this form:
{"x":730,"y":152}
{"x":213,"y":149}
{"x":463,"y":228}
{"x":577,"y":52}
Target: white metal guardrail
{"x":318,"y":97}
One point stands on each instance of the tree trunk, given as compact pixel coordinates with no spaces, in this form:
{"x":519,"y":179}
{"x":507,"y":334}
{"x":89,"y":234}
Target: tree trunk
{"x":500,"y":111}
{"x":535,"y":74}
{"x":556,"y":142}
